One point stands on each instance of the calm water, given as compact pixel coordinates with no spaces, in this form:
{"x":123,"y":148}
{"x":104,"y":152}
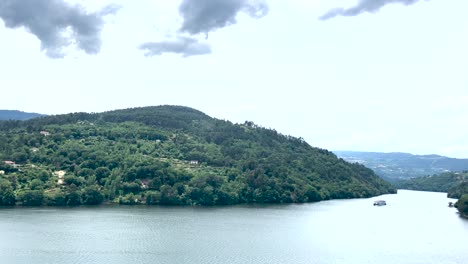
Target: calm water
{"x":415,"y":227}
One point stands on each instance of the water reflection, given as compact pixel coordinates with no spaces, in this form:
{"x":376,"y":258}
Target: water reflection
{"x":414,"y":227}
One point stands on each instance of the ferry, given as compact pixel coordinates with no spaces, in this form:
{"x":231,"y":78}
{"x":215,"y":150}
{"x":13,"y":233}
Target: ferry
{"x":380,"y":203}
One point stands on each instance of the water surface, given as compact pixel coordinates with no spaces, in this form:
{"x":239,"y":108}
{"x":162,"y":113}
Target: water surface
{"x":415,"y":227}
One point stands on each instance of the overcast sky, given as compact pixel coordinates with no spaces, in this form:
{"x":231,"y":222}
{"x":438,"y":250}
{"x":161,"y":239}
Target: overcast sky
{"x":343,"y":74}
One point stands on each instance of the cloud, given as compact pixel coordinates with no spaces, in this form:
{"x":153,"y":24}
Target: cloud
{"x":182,"y":45}
{"x":57,"y":24}
{"x":370,"y":6}
{"x":204,"y":16}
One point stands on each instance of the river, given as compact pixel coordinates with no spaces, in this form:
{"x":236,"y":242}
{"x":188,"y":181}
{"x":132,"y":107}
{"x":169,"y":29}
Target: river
{"x":414,"y":227}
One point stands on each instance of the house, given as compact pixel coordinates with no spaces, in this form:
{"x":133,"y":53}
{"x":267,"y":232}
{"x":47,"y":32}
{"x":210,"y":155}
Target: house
{"x":61,"y":176}
{"x":11,"y":163}
{"x":194,"y":162}
{"x":2,"y":172}
{"x":45,"y":133}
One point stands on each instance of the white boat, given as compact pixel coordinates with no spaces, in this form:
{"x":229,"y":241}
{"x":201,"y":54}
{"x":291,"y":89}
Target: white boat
{"x":380,"y":203}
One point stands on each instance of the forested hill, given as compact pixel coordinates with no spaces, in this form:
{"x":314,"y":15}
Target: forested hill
{"x":167,"y":155}
{"x":17,"y":115}
{"x":453,"y":183}
{"x":397,"y":166}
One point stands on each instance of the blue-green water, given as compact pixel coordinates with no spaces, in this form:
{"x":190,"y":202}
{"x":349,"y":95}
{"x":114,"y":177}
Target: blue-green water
{"x":415,"y":227}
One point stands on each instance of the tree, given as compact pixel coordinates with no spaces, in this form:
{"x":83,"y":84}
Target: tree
{"x":32,"y":197}
{"x":44,"y":175}
{"x":92,"y":196}
{"x":57,"y":198}
{"x":70,"y":179}
{"x":153,"y":197}
{"x":462,"y":205}
{"x":132,"y":187}
{"x":168,"y":195}
{"x":7,"y":195}
{"x":128,"y":199}
{"x":36,"y":184}
{"x":101,"y":173}
{"x":73,"y":197}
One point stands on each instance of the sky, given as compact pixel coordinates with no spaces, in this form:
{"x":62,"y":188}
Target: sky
{"x":363,"y":75}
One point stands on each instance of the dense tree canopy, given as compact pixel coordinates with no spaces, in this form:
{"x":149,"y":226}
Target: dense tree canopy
{"x":450,"y":182}
{"x":168,"y":155}
{"x":462,"y":205}
{"x":458,"y":191}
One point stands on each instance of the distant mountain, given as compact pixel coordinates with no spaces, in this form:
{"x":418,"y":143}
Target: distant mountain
{"x":396,"y":166}
{"x":17,"y":115}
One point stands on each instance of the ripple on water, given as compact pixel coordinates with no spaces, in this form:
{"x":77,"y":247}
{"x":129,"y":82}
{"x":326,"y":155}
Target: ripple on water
{"x":414,"y":227}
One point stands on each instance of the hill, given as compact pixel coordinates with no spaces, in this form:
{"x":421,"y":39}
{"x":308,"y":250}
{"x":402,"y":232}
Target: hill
{"x":445,"y":182}
{"x":396,"y":166}
{"x":17,"y":115}
{"x":168,"y":155}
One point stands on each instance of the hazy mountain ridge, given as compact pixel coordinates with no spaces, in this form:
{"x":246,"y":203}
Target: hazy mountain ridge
{"x":168,"y":155}
{"x":17,"y":115}
{"x":396,"y":166}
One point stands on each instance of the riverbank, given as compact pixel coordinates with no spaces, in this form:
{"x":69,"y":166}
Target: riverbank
{"x":92,"y":196}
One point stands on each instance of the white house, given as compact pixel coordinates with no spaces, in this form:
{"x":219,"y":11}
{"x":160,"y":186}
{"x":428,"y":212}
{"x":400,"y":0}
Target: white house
{"x":45,"y":133}
{"x":9,"y":162}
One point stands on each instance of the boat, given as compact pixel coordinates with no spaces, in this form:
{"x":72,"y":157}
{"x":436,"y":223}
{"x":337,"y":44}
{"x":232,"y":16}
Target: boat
{"x":380,"y":203}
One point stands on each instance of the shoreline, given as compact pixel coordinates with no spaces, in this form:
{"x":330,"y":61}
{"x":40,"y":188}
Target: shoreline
{"x":113,"y":204}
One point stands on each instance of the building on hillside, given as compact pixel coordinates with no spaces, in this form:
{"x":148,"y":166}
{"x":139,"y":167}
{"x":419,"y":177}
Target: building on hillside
{"x":61,"y":177}
{"x":194,"y":162}
{"x":11,"y":163}
{"x":2,"y":172}
{"x":45,"y":133}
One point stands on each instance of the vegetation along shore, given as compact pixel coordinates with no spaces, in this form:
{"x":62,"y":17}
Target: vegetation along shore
{"x":169,"y":155}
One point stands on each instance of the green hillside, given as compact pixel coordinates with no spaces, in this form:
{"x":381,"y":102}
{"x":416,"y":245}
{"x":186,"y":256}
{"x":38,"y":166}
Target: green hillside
{"x":459,"y":190}
{"x":444,"y":182}
{"x":462,"y":205}
{"x":168,"y":155}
